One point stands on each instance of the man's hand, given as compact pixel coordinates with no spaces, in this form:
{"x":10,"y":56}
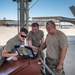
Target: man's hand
{"x":15,"y":57}
{"x":40,"y":49}
{"x":59,"y":67}
{"x":15,"y":54}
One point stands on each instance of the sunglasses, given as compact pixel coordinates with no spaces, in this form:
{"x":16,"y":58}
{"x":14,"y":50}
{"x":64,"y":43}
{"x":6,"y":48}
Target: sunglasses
{"x":23,"y":36}
{"x":48,"y":22}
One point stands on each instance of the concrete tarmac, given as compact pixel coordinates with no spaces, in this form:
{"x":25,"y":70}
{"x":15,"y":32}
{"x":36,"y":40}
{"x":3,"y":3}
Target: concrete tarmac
{"x":69,"y":63}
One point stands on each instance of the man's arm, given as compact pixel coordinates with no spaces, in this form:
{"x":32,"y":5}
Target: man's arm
{"x":42,"y":41}
{"x":43,"y":46}
{"x":62,"y":57}
{"x":5,"y":53}
{"x":30,"y":44}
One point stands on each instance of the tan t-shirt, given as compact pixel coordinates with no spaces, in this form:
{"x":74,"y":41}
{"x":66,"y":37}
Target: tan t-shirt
{"x":55,"y":43}
{"x":35,"y":38}
{"x":10,"y":45}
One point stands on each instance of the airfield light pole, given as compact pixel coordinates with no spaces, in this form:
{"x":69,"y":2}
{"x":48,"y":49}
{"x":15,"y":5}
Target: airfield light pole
{"x":27,"y":14}
{"x":22,"y":14}
{"x":18,"y":15}
{"x":24,"y":11}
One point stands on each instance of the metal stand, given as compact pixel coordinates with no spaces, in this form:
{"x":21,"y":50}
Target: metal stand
{"x":46,"y":67}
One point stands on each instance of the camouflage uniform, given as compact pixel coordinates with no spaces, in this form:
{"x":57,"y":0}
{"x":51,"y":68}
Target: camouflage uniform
{"x":51,"y":63}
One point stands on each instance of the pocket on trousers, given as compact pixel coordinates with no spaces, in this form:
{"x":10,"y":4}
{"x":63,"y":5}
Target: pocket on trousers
{"x":58,"y":72}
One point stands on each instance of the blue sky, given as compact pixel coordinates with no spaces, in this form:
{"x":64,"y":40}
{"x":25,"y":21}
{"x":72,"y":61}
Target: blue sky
{"x":43,"y":8}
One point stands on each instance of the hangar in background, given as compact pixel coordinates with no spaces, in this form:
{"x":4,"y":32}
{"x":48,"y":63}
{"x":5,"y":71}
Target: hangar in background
{"x":59,"y":20}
